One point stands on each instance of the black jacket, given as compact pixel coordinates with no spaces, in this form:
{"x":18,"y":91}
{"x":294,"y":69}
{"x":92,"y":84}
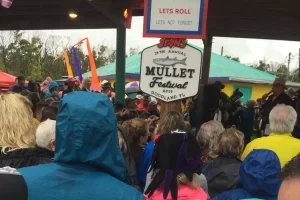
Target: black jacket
{"x":283,"y":98}
{"x":296,"y":131}
{"x":20,"y":158}
{"x":68,"y":90}
{"x":17,"y":89}
{"x":12,"y":185}
{"x":222,"y":174}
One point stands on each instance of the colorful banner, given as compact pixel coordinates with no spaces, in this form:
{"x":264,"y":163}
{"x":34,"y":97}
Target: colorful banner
{"x":77,"y":64}
{"x":95,"y":80}
{"x":69,"y":69}
{"x":68,"y":66}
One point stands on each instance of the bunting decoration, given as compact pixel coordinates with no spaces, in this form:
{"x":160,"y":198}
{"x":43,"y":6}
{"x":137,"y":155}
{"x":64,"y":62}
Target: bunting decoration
{"x":77,"y":64}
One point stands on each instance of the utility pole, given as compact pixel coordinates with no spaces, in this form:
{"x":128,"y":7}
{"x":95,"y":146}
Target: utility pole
{"x":288,"y":71}
{"x":222,"y":49}
{"x":299,"y":63}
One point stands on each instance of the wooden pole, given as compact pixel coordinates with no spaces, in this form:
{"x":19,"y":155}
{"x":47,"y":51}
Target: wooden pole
{"x":204,"y":80}
{"x":206,"y":59}
{"x":171,"y":106}
{"x":222,"y":50}
{"x":288,"y":71}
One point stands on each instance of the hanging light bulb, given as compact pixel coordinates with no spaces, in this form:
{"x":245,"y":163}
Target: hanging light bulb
{"x":73,"y":15}
{"x":125,"y":13}
{"x":6,"y":3}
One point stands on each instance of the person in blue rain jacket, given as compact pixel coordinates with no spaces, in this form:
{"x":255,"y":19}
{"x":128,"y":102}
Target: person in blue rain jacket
{"x":53,"y":91}
{"x":144,"y":165}
{"x":259,"y":176}
{"x":88,"y":162}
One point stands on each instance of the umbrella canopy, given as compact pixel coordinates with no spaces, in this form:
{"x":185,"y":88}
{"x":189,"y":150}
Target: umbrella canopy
{"x":132,"y":84}
{"x":132,"y":90}
{"x":6,"y":80}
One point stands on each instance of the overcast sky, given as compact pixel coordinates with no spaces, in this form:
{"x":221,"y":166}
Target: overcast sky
{"x":248,"y":50}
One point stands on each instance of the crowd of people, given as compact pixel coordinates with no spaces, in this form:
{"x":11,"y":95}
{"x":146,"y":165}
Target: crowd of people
{"x":71,"y":143}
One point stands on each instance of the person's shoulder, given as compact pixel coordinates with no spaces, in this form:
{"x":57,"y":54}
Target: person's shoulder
{"x":125,"y":191}
{"x":295,"y":141}
{"x":149,"y":146}
{"x":12,"y":185}
{"x":236,"y":194}
{"x":287,"y":98}
{"x":258,"y":142}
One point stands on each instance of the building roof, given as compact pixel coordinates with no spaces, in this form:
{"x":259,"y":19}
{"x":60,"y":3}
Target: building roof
{"x":220,"y":68}
{"x":230,"y":18}
{"x":54,"y":14}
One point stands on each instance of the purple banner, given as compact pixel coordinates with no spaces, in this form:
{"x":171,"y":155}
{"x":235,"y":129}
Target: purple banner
{"x":77,"y":64}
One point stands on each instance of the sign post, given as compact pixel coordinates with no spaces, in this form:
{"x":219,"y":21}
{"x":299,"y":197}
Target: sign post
{"x":171,"y":70}
{"x":175,"y":18}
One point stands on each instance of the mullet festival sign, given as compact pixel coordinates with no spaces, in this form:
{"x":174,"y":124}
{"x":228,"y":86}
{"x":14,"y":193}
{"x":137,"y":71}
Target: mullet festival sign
{"x":170,"y":70}
{"x":175,"y":18}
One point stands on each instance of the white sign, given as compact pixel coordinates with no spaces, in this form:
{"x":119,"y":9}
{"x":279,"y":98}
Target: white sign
{"x":170,"y":73}
{"x":182,"y":18}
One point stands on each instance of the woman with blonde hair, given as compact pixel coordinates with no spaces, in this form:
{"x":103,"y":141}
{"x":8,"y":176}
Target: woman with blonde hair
{"x":172,"y":121}
{"x":17,"y":133}
{"x":86,"y":85}
{"x":222,"y":173}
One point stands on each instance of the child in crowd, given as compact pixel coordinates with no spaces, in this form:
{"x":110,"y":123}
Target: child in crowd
{"x":176,"y":165}
{"x":222,"y":173}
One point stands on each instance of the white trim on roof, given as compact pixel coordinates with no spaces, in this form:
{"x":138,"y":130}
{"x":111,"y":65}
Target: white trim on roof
{"x":255,"y":81}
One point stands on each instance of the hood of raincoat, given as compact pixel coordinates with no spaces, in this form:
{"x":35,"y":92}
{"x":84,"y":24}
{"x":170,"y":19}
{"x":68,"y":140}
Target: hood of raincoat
{"x":86,"y":133}
{"x":259,"y":173}
{"x":52,"y":85}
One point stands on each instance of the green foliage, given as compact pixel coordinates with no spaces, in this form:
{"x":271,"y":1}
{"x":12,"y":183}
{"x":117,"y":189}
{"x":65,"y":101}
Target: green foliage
{"x":34,"y":57}
{"x":237,"y":59}
{"x":278,"y":69}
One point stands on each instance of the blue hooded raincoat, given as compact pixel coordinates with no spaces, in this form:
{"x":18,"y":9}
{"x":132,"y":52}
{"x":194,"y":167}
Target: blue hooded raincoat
{"x":259,"y":176}
{"x":88,"y":162}
{"x":51,"y":85}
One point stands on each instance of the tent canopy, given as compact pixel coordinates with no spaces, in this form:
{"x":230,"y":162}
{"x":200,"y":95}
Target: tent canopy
{"x":6,"y":80}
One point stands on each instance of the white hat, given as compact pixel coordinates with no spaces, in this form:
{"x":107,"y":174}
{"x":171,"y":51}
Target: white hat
{"x":103,"y":82}
{"x":139,"y":96}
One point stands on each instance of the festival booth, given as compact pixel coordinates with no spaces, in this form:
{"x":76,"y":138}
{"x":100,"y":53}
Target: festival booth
{"x":6,"y":81}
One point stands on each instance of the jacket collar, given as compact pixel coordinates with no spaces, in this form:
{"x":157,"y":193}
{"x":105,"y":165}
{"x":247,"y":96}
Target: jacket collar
{"x":285,"y":134}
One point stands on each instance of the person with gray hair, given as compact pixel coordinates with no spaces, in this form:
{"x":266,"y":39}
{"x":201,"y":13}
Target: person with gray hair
{"x":207,"y":136}
{"x":282,"y":121}
{"x":45,"y":135}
